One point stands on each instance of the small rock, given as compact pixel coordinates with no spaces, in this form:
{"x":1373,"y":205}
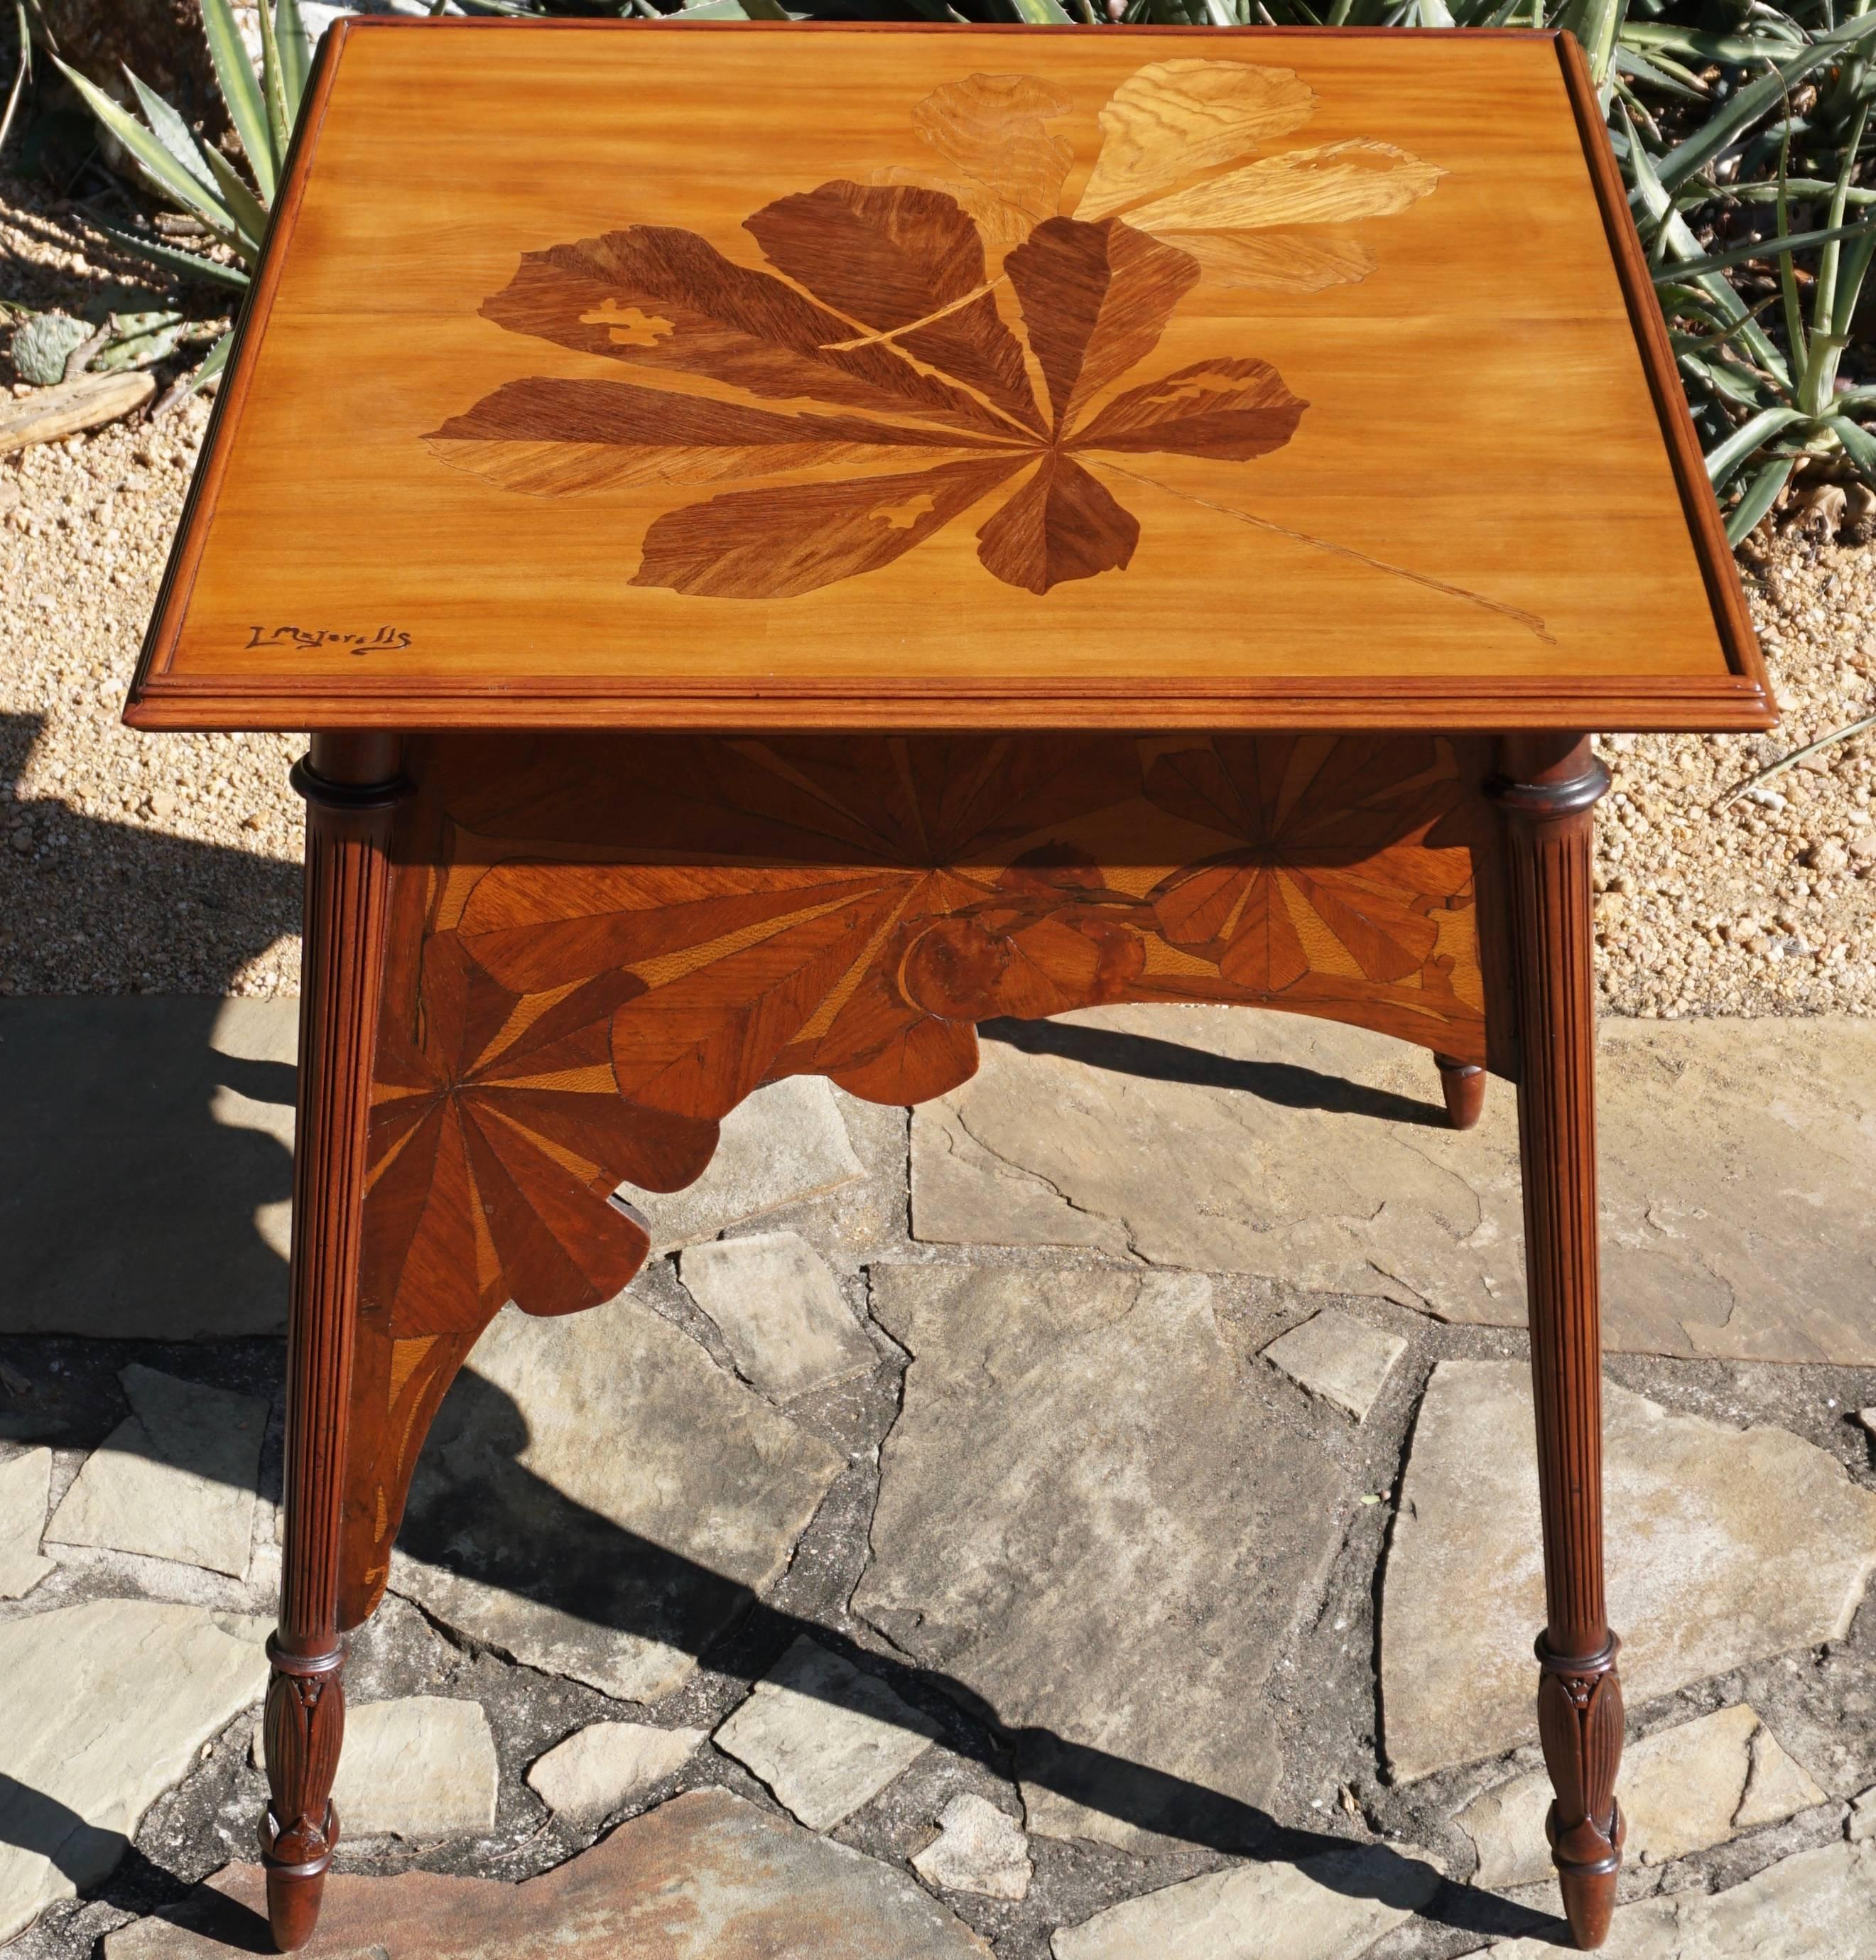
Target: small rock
{"x":1828,"y":855}
{"x":1862,"y":1826}
{"x":785,"y":1142}
{"x":1867,"y":1418}
{"x":424,"y":1767}
{"x":175,"y":1481}
{"x":1333,"y":1907}
{"x":979,"y":1849}
{"x":1338,"y":1358}
{"x":825,"y":1738}
{"x":1682,"y":1789}
{"x":778,"y":1306}
{"x":606,"y":1766}
{"x":25,"y":1486}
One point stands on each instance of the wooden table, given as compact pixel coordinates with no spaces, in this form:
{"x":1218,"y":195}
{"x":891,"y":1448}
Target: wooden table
{"x":795,"y":542}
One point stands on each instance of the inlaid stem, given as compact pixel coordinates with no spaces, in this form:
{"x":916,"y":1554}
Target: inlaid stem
{"x":1546,"y":791}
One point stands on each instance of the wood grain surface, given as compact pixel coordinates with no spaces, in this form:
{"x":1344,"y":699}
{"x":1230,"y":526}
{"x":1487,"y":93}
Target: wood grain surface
{"x":612,"y":374}
{"x":600,"y":944}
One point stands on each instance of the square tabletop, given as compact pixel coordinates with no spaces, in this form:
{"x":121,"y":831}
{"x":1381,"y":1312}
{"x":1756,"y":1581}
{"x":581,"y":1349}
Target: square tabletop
{"x":654,"y":375}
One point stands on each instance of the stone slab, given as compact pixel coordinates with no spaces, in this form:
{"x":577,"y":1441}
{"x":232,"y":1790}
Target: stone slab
{"x":102,"y":1707}
{"x":1682,"y":1789}
{"x":1087,"y":1518}
{"x":668,"y":1492}
{"x":1724,"y":1546}
{"x":978,"y":1849}
{"x":824,"y":1737}
{"x":1734,"y":1168}
{"x":1332,"y":1908}
{"x":175,"y":1480}
{"x":603,"y":1767}
{"x":422,"y":1767}
{"x":25,"y":1490}
{"x":706,"y":1876}
{"x":1341,"y":1359}
{"x":1819,"y":1905}
{"x":146,"y":1165}
{"x":778,"y":1307}
{"x":785,"y":1142}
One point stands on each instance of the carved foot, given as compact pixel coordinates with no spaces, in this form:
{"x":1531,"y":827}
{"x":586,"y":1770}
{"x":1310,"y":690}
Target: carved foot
{"x":304,"y":1724}
{"x":1463,"y":1085}
{"x":1579,"y":1719}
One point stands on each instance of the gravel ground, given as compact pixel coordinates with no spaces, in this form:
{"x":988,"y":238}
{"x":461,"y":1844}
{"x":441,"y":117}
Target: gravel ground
{"x":168,"y":863}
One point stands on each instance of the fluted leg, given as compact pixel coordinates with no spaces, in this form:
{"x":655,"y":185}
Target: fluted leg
{"x":1462,"y":1084}
{"x":351,"y":786}
{"x":1546,"y":789}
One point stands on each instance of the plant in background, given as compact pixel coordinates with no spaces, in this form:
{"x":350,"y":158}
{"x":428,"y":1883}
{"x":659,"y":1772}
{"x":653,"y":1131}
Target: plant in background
{"x":196,"y":176}
{"x":1742,"y":140}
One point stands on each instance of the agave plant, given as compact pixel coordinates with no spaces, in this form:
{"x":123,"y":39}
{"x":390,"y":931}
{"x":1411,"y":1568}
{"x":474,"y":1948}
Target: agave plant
{"x":196,"y":176}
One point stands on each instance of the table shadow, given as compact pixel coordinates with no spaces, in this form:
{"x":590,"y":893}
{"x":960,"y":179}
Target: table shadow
{"x":1287,"y":1084}
{"x":127,"y":1209}
{"x":613,"y":1578}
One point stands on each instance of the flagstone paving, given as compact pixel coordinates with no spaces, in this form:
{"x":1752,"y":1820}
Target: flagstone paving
{"x":1085,"y":1516}
{"x":25,"y":1482}
{"x":424,"y":1767}
{"x":1091,"y":1592}
{"x":1734,"y":1158}
{"x":1732,"y":1545}
{"x":1682,"y":1789}
{"x":707,"y":1876}
{"x":174,"y":1480}
{"x":600,"y":1433}
{"x":600,"y":1769}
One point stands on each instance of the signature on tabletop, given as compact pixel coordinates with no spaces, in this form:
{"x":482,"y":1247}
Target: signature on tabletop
{"x":302,"y":639}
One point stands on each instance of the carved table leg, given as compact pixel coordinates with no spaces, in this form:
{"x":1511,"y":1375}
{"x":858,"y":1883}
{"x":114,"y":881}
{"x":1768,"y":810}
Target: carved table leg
{"x":1548,"y":788}
{"x":1463,"y":1085}
{"x":350,"y":787}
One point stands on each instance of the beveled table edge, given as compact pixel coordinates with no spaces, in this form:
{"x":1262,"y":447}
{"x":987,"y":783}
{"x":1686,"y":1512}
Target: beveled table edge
{"x":1737,"y":701}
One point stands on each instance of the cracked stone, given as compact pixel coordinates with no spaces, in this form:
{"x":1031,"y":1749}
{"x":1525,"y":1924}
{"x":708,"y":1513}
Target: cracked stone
{"x":1724,"y":1546}
{"x":1338,"y":1358}
{"x":706,"y":1876}
{"x":670,"y":1493}
{"x":775,"y":1302}
{"x":423,"y":1766}
{"x":1087,"y":1519}
{"x":1735,"y":1221}
{"x":1331,"y":1907}
{"x":1816,"y":1903}
{"x":605,"y":1766}
{"x":979,"y":1849}
{"x":102,"y":1707}
{"x":175,"y":1480}
{"x":825,"y":1738}
{"x":785,"y":1142}
{"x":25,"y":1488}
{"x":1682,"y":1789}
